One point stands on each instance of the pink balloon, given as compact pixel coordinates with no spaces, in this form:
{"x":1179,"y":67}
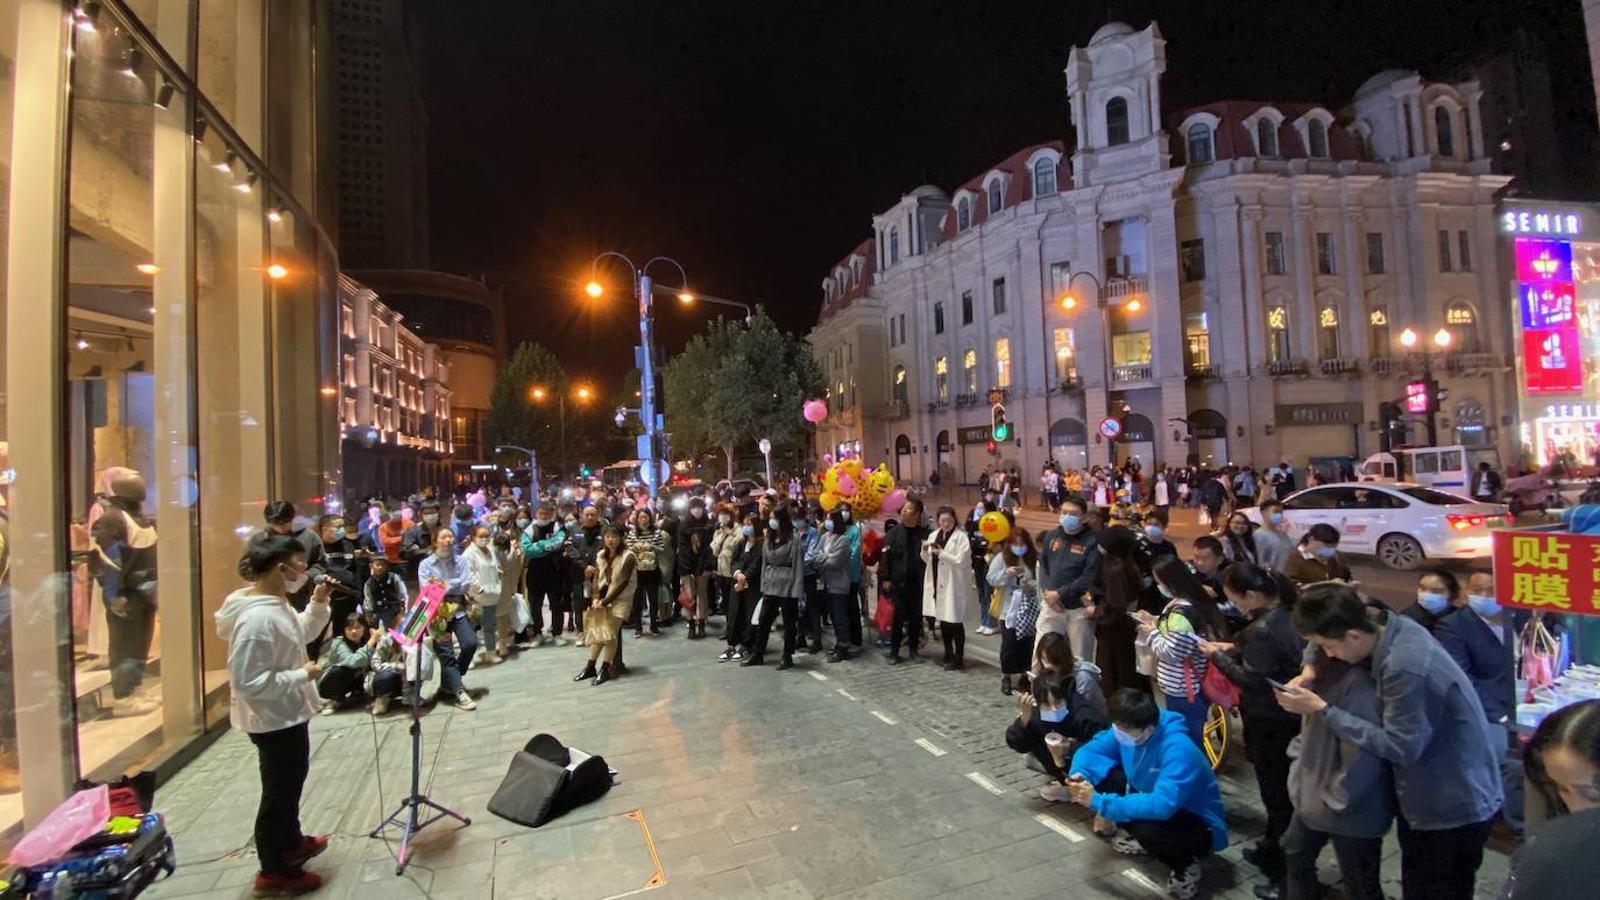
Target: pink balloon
{"x":827,"y":459}
{"x":895,"y":499}
{"x":847,"y":485}
{"x":815,"y":411}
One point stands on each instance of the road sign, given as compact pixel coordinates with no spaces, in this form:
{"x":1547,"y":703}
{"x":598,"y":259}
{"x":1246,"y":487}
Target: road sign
{"x":1110,"y":428}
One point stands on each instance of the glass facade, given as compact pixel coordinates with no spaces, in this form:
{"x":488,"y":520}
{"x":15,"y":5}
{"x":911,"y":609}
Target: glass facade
{"x":167,"y":322}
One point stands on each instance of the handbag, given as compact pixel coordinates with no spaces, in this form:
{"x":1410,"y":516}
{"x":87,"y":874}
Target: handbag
{"x":598,"y":626}
{"x":1144,"y":656}
{"x":521,"y":613}
{"x":994,"y":603}
{"x":685,"y":598}
{"x":883,"y":616}
{"x":1539,"y":652}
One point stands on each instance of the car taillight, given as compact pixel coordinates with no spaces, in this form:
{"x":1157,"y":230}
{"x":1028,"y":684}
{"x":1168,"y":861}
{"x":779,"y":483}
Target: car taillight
{"x":1462,"y":523}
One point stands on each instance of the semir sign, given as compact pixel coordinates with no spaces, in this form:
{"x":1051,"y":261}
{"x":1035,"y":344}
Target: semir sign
{"x":1540,"y":221}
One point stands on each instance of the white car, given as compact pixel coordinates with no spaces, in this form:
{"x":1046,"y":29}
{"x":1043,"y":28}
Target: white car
{"x":1400,"y":523}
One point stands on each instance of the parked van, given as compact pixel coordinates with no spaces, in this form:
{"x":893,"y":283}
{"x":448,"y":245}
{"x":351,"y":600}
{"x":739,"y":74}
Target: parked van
{"x":1443,"y":468}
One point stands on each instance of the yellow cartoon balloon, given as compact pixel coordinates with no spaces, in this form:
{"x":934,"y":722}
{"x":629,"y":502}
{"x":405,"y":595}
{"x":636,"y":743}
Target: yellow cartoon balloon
{"x":851,"y":467}
{"x":830,"y":480}
{"x":829,"y":500}
{"x":994,"y":527}
{"x":882,"y":481}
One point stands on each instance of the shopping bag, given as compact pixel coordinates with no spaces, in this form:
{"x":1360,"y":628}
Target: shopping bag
{"x":1539,"y":652}
{"x":994,"y":604}
{"x":521,"y":614}
{"x":81,"y":816}
{"x":598,"y":626}
{"x":686,"y":598}
{"x":1219,"y":689}
{"x":1144,"y":656}
{"x":883,"y":616}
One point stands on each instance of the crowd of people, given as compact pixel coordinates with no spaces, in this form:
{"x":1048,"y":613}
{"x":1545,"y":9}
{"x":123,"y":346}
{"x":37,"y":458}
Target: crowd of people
{"x":1356,"y":720}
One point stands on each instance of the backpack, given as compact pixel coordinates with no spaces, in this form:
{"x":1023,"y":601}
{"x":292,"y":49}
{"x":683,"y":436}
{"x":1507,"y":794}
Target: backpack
{"x":546,"y":779}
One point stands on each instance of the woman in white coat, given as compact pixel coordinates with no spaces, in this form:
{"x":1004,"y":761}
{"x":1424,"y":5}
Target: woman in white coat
{"x":949,"y":592}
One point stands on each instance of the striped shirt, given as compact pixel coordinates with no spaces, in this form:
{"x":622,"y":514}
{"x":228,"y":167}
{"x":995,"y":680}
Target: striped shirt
{"x":1180,"y":666}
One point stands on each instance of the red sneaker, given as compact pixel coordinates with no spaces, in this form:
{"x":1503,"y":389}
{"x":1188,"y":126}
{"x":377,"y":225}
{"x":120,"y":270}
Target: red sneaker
{"x":311,"y":845}
{"x":286,"y":885}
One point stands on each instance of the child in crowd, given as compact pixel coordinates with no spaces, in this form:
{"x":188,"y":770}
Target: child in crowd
{"x":394,"y":666}
{"x":384,"y":597}
{"x":346,"y":661}
{"x":1053,"y":719}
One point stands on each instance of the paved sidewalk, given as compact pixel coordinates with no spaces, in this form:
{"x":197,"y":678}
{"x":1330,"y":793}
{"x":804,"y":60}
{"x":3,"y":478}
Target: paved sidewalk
{"x":851,"y":779}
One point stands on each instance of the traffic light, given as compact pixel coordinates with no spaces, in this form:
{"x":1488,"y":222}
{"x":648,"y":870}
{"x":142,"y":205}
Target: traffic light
{"x":999,"y":428}
{"x":1440,"y":394}
{"x":991,"y":448}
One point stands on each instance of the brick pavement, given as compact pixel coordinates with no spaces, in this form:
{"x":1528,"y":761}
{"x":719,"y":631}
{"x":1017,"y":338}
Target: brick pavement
{"x":752,"y":782}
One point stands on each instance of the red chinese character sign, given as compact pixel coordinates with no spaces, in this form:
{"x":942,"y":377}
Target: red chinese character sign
{"x":1417,"y":397}
{"x":1553,"y":571}
{"x":1553,"y":360}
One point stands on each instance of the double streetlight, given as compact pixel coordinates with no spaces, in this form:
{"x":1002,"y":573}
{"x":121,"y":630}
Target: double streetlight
{"x":1070,"y":304}
{"x":582,"y":393}
{"x":1441,"y":339}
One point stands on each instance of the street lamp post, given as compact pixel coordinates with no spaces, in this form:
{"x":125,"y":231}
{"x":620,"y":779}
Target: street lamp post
{"x":533,"y":464}
{"x":1441,"y":339}
{"x":1070,"y":303}
{"x":583,"y":394}
{"x":766,"y":451}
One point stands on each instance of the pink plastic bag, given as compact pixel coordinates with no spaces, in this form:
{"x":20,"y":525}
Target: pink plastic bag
{"x":83,"y":816}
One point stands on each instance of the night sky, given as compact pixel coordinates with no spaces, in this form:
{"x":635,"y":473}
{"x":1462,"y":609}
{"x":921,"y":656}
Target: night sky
{"x":752,"y":141}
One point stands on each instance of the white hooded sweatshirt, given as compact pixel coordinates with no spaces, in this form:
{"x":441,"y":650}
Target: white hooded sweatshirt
{"x":266,"y":659}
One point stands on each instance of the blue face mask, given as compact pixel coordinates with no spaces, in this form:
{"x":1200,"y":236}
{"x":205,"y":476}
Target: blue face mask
{"x":1483,"y":606}
{"x":1124,"y":738}
{"x":1153,"y":532}
{"x":1070,"y":523}
{"x":1053,"y":716}
{"x":1275,"y":518}
{"x":1327,"y":552}
{"x":1019,"y":550}
{"x":1432,"y":601}
{"x":772,"y":524}
{"x":827,"y":524}
{"x":749,"y":530}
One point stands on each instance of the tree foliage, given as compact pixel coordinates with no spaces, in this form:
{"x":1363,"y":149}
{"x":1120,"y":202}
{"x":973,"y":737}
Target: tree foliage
{"x":516,"y":418}
{"x":736,"y":384}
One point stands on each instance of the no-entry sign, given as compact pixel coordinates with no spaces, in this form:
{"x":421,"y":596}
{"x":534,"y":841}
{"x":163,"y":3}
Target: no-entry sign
{"x":1110,"y":428}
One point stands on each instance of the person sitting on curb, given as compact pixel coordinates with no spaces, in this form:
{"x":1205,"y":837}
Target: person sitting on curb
{"x":1054,"y":718}
{"x":1146,"y":775}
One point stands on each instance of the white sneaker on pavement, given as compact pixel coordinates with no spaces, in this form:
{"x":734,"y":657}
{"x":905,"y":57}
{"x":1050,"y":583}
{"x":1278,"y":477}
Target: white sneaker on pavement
{"x":380,"y":706}
{"x":1184,"y":885}
{"x":464,"y":701}
{"x":1127,"y":846}
{"x":1054,"y":793}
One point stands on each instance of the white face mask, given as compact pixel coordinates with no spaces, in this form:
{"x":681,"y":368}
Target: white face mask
{"x":482,"y":542}
{"x":294,"y":581}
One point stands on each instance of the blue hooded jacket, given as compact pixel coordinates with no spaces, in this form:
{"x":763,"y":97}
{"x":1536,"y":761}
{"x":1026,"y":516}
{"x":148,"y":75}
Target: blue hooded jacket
{"x":1166,"y":773}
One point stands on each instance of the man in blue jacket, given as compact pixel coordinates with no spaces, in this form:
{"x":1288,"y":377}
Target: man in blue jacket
{"x":1165,"y":796}
{"x":1434,"y":734}
{"x":1475,"y":638}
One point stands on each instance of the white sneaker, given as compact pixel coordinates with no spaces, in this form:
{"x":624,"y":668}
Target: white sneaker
{"x":1054,"y":793}
{"x":135,"y":706}
{"x":327,"y":708}
{"x":380,"y":706}
{"x":1127,"y":846}
{"x":1184,"y":885}
{"x":464,"y":701}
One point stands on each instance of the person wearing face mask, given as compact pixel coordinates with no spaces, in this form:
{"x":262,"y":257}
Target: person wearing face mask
{"x":900,"y":575}
{"x":647,"y":544}
{"x":1432,"y":731}
{"x":542,"y":538}
{"x":418,"y":542}
{"x":1053,"y":720}
{"x":455,"y":641}
{"x":1116,"y":596}
{"x":280,"y":518}
{"x":782,"y":585}
{"x":696,"y":562}
{"x":1438,"y":597}
{"x":508,"y":549}
{"x":809,"y":531}
{"x":948,"y":591}
{"x":1558,"y":859}
{"x":274,"y":696}
{"x":123,"y":564}
{"x":1165,"y":798}
{"x":831,"y":557}
{"x":1011,"y":571}
{"x":1272,"y":541}
{"x":1474,"y":636}
{"x":724,"y":546}
{"x":581,"y":546}
{"x":852,"y":530}
{"x":391,"y":534}
{"x":746,"y":587}
{"x":1189,"y":618}
{"x":1316,"y":557}
{"x":484,"y":583}
{"x":346,"y":561}
{"x":1069,"y":565}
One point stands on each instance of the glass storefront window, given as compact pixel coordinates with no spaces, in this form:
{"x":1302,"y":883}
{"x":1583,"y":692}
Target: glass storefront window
{"x":1130,"y":349}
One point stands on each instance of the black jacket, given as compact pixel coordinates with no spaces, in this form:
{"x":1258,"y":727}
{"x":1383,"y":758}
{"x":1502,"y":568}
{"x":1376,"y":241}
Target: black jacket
{"x":694,"y":547}
{"x":902,"y":564}
{"x":1267,"y":648}
{"x":747,"y":559}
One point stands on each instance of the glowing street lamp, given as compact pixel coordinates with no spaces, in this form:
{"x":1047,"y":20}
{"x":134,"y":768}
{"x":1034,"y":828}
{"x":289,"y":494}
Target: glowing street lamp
{"x":594,"y":289}
{"x":538,"y":394}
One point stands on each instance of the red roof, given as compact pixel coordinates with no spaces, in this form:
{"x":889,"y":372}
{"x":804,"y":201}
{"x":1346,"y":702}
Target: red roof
{"x":867,"y":249}
{"x":1020,"y":188}
{"x":1231,"y":140}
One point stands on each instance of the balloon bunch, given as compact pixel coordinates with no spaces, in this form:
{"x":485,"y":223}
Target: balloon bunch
{"x":866,"y":491}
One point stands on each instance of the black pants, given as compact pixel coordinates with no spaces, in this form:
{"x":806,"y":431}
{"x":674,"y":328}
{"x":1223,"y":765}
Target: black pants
{"x":572,"y":611}
{"x":770,"y":607}
{"x":1029,"y":739}
{"x":845,"y":612}
{"x":542,"y":587}
{"x":1359,"y":859}
{"x":856,"y":625}
{"x":339,"y":683}
{"x":955,"y":640}
{"x":1266,"y":744}
{"x":811,"y":620}
{"x":1176,"y":842}
{"x":740,"y":606}
{"x":128,"y":644}
{"x":1441,"y":864}
{"x":647,"y":587}
{"x":285,"y":757}
{"x":907,"y":619}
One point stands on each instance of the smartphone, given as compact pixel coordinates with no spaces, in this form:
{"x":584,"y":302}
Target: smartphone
{"x":1277,"y":685}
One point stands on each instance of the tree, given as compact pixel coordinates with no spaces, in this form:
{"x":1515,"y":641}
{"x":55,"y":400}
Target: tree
{"x":736,"y":384}
{"x":515,"y":417}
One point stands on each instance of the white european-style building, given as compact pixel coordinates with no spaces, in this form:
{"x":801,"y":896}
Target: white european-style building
{"x":1240,"y":275}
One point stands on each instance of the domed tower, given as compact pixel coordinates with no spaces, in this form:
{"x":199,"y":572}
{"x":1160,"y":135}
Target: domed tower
{"x":1114,"y":86}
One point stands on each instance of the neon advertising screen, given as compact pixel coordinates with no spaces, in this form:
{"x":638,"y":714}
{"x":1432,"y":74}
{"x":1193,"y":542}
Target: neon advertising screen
{"x":1417,"y":397}
{"x":1547,"y":305}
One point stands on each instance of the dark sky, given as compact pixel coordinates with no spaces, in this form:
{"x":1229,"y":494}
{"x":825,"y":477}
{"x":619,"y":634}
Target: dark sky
{"x":753,"y":140}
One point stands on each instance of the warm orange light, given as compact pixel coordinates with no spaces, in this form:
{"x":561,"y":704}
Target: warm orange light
{"x":329,"y":390}
{"x":1069,"y":302}
{"x":537,"y":393}
{"x":147,"y":268}
{"x":277,"y":272}
{"x":685,"y":296}
{"x":583,"y":392}
{"x":1408,"y":338}
{"x":594,"y":289}
{"x":1442,"y":337}
{"x":1134,"y":305}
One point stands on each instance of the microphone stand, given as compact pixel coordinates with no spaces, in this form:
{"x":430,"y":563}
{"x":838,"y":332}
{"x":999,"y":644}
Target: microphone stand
{"x":406,"y":816}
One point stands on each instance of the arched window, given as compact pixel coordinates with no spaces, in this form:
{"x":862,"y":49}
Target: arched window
{"x":894,"y":246}
{"x":1116,"y":121}
{"x":1317,"y":137}
{"x":964,"y":214}
{"x":1462,"y":320}
{"x":1266,"y":137}
{"x":1200,"y":144}
{"x":1444,"y":129}
{"x":1044,"y":177}
{"x":899,"y":387}
{"x":997,"y":196}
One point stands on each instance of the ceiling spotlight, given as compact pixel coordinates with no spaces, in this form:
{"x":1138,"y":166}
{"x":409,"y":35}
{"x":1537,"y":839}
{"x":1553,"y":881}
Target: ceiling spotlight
{"x":274,"y":216}
{"x":146,"y":268}
{"x":199,"y":130}
{"x":164,"y":94}
{"x":226,"y":163}
{"x":246,"y":184}
{"x":276,"y":271}
{"x":152,"y":311}
{"x":82,"y":343}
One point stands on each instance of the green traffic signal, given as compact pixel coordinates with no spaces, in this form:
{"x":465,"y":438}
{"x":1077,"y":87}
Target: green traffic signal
{"x":1002,"y":431}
